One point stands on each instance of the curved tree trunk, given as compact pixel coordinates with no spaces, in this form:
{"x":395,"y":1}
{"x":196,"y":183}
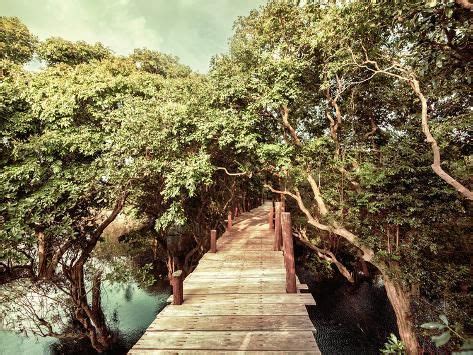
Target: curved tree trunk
{"x":401,"y":303}
{"x":42,"y":261}
{"x":436,"y":165}
{"x":91,"y":318}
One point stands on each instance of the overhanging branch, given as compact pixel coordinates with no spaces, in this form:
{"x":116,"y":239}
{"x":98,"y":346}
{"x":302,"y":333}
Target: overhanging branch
{"x":249,"y":174}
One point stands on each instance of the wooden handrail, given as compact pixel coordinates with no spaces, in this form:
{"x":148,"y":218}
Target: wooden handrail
{"x":277,"y":227}
{"x":288,"y":252}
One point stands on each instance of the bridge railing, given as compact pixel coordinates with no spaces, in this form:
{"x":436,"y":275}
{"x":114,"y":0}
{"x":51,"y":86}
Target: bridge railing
{"x":283,"y":240}
{"x":177,"y":279}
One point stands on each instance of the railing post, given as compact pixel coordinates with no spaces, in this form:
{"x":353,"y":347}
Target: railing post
{"x":271,"y":218}
{"x":177,"y":288}
{"x":229,"y":221}
{"x":277,"y":227}
{"x":282,"y":208}
{"x":288,"y":252}
{"x":213,"y":241}
{"x":283,"y":202}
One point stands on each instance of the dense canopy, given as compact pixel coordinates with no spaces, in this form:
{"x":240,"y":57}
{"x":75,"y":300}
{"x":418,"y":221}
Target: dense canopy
{"x":356,"y":114}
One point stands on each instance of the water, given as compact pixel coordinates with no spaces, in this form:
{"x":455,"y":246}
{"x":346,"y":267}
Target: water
{"x":350,"y":319}
{"x":128,"y":308}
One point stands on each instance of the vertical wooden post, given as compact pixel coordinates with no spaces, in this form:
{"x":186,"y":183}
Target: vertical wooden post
{"x":288,"y":252}
{"x":271,"y":218}
{"x":213,"y":241}
{"x":177,"y":288}
{"x":282,"y":208}
{"x":277,"y":227}
{"x":229,"y":221}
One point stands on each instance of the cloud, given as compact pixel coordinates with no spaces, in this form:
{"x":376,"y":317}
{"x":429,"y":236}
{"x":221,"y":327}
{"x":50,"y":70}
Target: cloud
{"x":194,"y":30}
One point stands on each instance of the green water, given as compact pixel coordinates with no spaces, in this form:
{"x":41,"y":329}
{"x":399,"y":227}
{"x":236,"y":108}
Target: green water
{"x":129,"y":310}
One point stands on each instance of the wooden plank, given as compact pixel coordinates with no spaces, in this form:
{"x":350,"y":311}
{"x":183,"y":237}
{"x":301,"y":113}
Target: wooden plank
{"x":237,"y":269}
{"x":238,"y":253}
{"x":294,"y":298}
{"x":232,"y":340}
{"x":230,"y":322}
{"x":235,"y":288}
{"x":192,"y":352}
{"x":235,"y":277}
{"x":290,"y":309}
{"x":242,"y":274}
{"x":254,"y":256}
{"x":269,"y":263}
{"x":196,"y":281}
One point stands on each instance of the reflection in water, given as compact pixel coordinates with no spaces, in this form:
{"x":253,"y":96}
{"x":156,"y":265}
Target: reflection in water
{"x":350,"y":319}
{"x":128,"y":293}
{"x":128,"y":308}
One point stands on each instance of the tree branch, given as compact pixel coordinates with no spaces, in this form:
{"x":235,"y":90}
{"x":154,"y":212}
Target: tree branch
{"x":326,"y":255}
{"x":436,"y":166}
{"x":317,"y":195}
{"x":368,"y":253}
{"x":98,"y":232}
{"x":292,"y":131}
{"x":249,"y":174}
{"x":410,"y":78}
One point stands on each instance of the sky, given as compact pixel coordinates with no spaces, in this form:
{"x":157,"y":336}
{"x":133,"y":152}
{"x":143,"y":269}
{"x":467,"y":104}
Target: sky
{"x":193,"y":30}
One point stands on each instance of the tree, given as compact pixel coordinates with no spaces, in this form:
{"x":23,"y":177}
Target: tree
{"x":53,"y":187}
{"x":159,"y":63}
{"x":90,"y":134}
{"x":56,"y":50}
{"x":17,"y":44}
{"x":334,"y":127}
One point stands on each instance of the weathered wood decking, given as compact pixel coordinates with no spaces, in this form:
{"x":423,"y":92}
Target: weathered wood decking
{"x":235,"y":301}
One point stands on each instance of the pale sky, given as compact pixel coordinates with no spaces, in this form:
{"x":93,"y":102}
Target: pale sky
{"x":193,"y":30}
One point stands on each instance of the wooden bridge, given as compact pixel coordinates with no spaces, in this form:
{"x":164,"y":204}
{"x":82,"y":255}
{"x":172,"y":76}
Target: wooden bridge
{"x":236,"y":300}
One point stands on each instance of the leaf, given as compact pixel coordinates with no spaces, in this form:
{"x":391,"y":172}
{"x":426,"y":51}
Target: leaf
{"x":444,"y":319}
{"x":433,"y":325}
{"x":441,"y":339}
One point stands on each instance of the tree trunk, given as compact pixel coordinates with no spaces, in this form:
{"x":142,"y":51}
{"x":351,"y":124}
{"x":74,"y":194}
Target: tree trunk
{"x":90,"y":317}
{"x":399,"y":298}
{"x":401,"y":303}
{"x":42,"y":261}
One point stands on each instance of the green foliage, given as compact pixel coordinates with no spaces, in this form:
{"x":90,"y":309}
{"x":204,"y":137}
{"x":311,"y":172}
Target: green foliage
{"x":447,"y":331}
{"x":56,"y":50}
{"x":92,"y":125}
{"x":393,"y":346}
{"x":159,"y":63}
{"x":379,"y":185}
{"x":17,"y":44}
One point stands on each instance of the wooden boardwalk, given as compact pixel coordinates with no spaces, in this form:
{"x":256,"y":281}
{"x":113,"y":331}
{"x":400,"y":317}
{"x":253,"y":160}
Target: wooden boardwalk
{"x":235,"y":301}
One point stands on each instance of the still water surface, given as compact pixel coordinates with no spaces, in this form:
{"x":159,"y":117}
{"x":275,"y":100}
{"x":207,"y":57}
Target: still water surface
{"x":129,"y":310}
